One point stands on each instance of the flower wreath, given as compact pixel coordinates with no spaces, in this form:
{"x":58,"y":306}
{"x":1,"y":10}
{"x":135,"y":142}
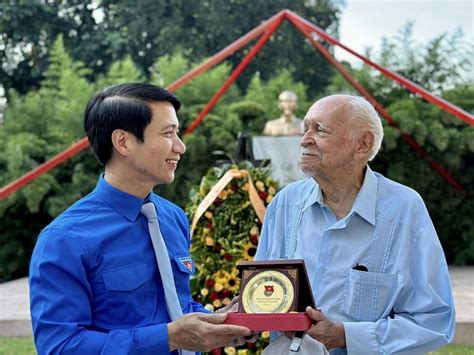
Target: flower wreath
{"x":227,"y":233}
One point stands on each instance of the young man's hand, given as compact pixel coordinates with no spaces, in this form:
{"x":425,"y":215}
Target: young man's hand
{"x":204,"y":332}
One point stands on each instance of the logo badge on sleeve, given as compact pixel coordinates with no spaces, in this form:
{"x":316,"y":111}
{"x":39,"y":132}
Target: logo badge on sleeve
{"x":187,"y":261}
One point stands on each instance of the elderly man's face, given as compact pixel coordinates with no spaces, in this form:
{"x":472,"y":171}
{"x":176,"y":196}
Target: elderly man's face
{"x":327,"y":147}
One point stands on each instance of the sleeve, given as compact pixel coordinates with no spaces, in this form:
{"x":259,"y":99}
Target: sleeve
{"x":61,"y":305}
{"x":197,"y":307}
{"x":423,"y":317}
{"x":266,"y":233}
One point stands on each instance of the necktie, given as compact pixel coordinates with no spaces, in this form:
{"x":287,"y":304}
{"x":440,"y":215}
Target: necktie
{"x":164,"y":265}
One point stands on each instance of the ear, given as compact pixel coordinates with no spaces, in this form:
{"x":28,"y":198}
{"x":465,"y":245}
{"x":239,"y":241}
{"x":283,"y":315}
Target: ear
{"x":123,"y":142}
{"x":365,"y":143}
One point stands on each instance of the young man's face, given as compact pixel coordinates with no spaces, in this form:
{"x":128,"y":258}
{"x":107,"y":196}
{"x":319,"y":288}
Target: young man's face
{"x":156,"y":159}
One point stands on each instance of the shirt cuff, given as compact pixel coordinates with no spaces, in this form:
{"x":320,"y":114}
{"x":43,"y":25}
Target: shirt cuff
{"x":360,"y":338}
{"x":152,"y":339}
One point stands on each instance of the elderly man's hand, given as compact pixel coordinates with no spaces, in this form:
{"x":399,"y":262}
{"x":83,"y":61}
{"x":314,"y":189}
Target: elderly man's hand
{"x":204,"y":332}
{"x":330,"y":334}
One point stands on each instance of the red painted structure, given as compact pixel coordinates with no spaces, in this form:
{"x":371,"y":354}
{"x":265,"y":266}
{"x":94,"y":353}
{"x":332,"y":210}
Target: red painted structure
{"x":266,"y":29}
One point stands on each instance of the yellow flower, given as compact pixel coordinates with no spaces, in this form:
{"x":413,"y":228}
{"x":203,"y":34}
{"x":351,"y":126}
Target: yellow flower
{"x":226,"y":301}
{"x":271,"y":190}
{"x":242,"y":352}
{"x":223,"y":195}
{"x":265,"y":335}
{"x":269,"y":198}
{"x":204,"y":292}
{"x":217,"y":303}
{"x":209,"y":307}
{"x":209,"y":241}
{"x":249,"y":251}
{"x":260,"y":186}
{"x":218,"y":287}
{"x":208,"y":215}
{"x":221,"y":277}
{"x":229,"y":350}
{"x":233,"y":283}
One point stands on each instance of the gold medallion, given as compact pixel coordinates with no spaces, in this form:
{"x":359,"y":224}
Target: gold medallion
{"x":268,"y":292}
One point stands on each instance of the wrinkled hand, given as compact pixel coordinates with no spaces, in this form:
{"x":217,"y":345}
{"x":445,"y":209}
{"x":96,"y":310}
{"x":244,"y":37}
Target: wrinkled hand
{"x":328,"y":333}
{"x":204,"y":332}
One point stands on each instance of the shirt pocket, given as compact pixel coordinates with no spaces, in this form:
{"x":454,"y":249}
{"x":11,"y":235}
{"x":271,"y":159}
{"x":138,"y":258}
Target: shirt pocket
{"x":131,"y":294}
{"x":183,"y":267}
{"x":367,"y":295}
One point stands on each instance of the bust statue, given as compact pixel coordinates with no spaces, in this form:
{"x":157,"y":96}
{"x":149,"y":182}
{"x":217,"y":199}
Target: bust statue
{"x":287,"y":124}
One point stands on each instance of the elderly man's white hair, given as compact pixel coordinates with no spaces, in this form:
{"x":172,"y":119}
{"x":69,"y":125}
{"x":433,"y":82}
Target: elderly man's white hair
{"x":365,"y":113}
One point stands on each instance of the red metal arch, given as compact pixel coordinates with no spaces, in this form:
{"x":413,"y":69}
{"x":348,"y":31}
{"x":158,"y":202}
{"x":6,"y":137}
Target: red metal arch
{"x":266,"y":29}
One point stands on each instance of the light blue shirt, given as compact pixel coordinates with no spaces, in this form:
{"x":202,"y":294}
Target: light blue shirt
{"x":403,"y":303}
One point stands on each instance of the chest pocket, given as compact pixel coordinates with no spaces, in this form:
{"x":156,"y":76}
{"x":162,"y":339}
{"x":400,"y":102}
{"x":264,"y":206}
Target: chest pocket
{"x":131,"y":294}
{"x":367,"y":295}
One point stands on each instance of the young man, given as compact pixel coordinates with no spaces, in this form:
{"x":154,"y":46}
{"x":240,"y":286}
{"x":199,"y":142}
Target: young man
{"x":96,"y":279}
{"x":376,"y":267}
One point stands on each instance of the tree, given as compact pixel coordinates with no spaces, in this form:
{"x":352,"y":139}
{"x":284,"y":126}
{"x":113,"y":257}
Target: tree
{"x":37,"y":126}
{"x":443,"y":67}
{"x":98,"y":33}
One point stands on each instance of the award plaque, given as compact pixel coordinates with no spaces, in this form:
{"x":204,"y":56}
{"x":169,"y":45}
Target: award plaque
{"x":273,"y":296}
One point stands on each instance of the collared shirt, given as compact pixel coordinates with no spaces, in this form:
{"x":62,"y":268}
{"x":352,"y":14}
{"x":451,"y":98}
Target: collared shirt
{"x":94,"y":283}
{"x":403,"y":303}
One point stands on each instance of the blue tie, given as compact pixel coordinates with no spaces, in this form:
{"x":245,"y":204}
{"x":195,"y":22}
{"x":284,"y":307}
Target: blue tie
{"x":164,"y":265}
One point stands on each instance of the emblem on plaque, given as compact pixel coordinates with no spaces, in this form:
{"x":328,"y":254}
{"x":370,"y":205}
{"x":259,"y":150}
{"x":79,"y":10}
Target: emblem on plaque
{"x":268,"y":290}
{"x":274,"y":295}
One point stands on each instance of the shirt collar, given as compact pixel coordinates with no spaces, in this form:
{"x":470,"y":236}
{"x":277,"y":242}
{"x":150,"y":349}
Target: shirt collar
{"x":315,"y":195}
{"x":127,"y":205}
{"x":365,"y":202}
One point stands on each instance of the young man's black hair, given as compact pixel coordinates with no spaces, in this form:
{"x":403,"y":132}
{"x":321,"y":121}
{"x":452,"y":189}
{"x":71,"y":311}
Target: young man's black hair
{"x":124,"y":107}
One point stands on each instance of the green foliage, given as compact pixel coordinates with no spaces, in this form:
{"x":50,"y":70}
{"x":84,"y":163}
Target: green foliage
{"x":99,"y":33}
{"x":266,"y":93}
{"x":38,"y":126}
{"x":45,"y":121}
{"x":226,"y":234}
{"x":233,"y":115}
{"x":123,"y":71}
{"x":442,"y":68}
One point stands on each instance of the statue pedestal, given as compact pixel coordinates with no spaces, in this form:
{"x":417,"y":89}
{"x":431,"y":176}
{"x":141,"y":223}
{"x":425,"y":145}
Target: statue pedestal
{"x":284,"y":153}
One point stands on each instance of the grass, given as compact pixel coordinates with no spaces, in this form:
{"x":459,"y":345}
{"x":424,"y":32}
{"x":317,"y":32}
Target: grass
{"x":17,"y":346}
{"x":25,"y":346}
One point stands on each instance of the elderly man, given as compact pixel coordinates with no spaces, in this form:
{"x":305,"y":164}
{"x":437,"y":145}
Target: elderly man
{"x":378,"y":272}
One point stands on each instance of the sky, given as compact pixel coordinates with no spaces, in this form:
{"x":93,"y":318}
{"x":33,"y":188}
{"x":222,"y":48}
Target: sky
{"x":365,"y":22}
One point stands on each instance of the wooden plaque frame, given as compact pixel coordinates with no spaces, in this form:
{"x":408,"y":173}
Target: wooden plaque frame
{"x":296,"y":318}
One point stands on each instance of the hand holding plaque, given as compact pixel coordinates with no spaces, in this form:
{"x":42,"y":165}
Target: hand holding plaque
{"x":274,"y":296}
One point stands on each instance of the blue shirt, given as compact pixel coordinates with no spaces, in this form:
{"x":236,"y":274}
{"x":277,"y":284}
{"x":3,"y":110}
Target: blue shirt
{"x":94,"y":282}
{"x":403,"y":303}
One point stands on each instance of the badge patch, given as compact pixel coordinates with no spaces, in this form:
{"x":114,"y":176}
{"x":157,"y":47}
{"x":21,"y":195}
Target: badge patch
{"x":187,"y":261}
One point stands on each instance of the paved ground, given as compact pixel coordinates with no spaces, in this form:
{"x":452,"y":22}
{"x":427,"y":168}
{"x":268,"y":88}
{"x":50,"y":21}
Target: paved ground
{"x":15,"y":317}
